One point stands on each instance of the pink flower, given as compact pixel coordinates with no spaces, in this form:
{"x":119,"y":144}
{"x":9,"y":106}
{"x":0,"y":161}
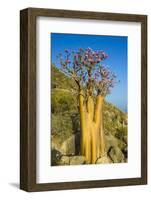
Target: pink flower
{"x":76,"y":62}
{"x":68,"y":61}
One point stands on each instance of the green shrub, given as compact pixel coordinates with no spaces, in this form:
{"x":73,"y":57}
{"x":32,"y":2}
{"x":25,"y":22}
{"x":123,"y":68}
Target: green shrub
{"x":121,"y":133}
{"x":62,"y":101}
{"x":61,"y":125}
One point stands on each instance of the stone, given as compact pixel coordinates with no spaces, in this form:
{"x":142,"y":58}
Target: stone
{"x":68,"y":146}
{"x":104,"y":160}
{"x":116,"y":155}
{"x":124,"y":151}
{"x":77,"y":160}
{"x":64,"y":160}
{"x":111,"y":141}
{"x":55,"y":157}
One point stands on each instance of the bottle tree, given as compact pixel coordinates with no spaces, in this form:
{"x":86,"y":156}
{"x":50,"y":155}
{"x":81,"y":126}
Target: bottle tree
{"x":93,"y":81}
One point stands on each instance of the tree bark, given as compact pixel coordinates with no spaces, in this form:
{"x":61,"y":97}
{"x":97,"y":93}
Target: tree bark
{"x":82,"y":112}
{"x":99,"y":119}
{"x":91,"y":121}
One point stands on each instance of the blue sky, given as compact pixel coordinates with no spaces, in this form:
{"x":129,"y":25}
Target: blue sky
{"x":114,"y":46}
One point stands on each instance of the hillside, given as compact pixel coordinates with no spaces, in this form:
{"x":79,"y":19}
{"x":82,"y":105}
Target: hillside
{"x":65,"y":126}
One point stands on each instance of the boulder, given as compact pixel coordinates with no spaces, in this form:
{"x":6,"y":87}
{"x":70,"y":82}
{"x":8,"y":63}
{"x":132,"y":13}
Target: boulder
{"x":64,"y":160}
{"x":116,"y":155}
{"x":68,"y":146}
{"x":55,"y":157}
{"x":77,"y":160}
{"x":104,"y":160}
{"x":124,"y":151}
{"x":112,"y":141}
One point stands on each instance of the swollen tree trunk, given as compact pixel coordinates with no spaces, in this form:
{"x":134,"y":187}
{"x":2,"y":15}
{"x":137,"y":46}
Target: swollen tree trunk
{"x":91,"y":121}
{"x":82,"y":121}
{"x":99,"y":123}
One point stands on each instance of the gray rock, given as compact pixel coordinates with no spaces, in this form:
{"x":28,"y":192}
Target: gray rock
{"x":68,"y":146}
{"x":104,"y":160}
{"x":111,"y":141}
{"x":64,"y":160}
{"x":77,"y":160}
{"x":116,"y":155}
{"x":55,"y":157}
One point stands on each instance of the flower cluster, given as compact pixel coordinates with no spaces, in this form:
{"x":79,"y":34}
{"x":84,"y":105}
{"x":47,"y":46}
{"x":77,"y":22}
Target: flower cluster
{"x":107,"y":81}
{"x":84,"y":66}
{"x":88,"y":57}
